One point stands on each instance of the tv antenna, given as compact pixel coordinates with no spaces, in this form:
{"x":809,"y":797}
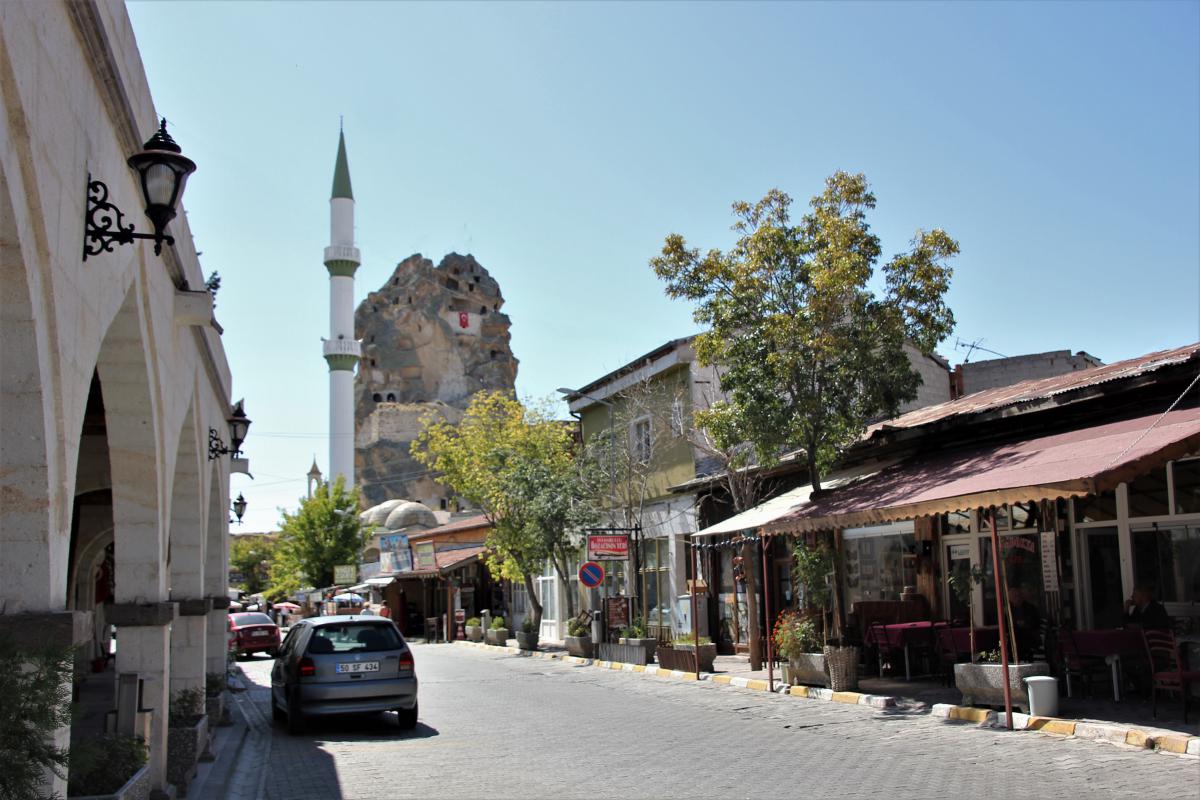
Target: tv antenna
{"x":971,"y":347}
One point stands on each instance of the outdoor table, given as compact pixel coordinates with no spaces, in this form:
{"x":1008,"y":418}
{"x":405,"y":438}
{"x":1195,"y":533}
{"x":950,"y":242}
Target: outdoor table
{"x":986,"y":638}
{"x":1110,"y":645}
{"x":906,"y":634}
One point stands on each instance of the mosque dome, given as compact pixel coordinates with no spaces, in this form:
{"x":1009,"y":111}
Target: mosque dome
{"x":409,"y":513}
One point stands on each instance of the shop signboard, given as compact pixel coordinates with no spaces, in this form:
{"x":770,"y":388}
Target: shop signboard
{"x":616,"y":612}
{"x":345,"y":574}
{"x":423,"y":556}
{"x":394,"y":555}
{"x":608,"y":547}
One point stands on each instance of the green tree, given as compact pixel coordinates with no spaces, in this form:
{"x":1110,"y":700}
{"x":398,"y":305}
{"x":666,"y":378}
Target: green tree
{"x":35,"y":703}
{"x":251,"y":555}
{"x":513,"y":463}
{"x":323,"y":533}
{"x":809,"y":354}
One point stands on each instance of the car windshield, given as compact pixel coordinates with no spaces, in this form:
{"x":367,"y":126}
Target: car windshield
{"x":354,"y":637}
{"x":241,"y":620}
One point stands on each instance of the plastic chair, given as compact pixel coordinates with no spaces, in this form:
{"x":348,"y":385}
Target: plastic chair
{"x":1166,"y":668}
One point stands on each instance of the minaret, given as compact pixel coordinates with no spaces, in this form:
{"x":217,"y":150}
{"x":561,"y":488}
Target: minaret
{"x":314,"y":476}
{"x":342,"y":351}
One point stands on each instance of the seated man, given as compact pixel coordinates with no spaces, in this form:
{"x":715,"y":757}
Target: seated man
{"x":1142,"y":609}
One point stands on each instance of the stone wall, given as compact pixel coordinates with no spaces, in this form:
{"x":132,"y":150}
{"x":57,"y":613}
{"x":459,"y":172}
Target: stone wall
{"x":432,"y":337}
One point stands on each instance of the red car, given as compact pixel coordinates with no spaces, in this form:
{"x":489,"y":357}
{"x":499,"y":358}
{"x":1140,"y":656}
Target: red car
{"x":252,"y":633}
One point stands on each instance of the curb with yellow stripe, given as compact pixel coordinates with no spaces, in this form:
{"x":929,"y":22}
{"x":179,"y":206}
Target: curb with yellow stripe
{"x":1117,"y":734}
{"x":754,"y":684}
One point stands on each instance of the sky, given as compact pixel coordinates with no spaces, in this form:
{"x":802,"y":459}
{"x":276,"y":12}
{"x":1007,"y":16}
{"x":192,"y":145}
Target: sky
{"x":1058,"y":143}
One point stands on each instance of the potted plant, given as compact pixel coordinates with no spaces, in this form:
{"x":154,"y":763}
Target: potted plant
{"x":527,"y":637}
{"x":982,"y":681}
{"x":798,"y":643}
{"x":579,"y":640}
{"x":108,"y":767}
{"x":498,"y":634}
{"x":474,"y":630}
{"x":187,"y":735}
{"x":683,"y":647}
{"x":814,"y":563}
{"x":960,"y":584}
{"x":635,"y":636}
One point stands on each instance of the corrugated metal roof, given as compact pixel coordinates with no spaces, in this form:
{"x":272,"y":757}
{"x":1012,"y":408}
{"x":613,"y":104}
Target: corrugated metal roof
{"x":464,"y":524}
{"x":1073,"y":463}
{"x":1038,"y":389}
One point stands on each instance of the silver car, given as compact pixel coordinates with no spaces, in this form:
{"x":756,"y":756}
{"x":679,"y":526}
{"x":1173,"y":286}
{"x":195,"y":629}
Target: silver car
{"x":343,"y":665}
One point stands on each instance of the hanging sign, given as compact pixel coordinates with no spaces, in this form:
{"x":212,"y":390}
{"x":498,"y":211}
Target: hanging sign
{"x":591,"y":574}
{"x":608,"y":547}
{"x":1049,"y":562}
{"x":345,"y":573}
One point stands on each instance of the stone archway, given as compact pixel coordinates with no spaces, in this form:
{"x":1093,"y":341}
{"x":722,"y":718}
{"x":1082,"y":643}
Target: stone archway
{"x":187,"y":563}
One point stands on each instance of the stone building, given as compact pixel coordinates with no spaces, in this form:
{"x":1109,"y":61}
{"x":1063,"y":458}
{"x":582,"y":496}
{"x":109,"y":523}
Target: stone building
{"x":115,"y":380}
{"x":432,"y":336}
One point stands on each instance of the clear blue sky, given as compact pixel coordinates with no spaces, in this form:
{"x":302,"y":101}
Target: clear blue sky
{"x":559,"y":143}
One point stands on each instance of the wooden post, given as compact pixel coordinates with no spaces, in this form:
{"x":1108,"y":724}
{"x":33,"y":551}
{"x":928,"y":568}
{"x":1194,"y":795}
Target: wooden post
{"x":753,"y":636}
{"x":695,"y":559}
{"x":1000,"y":620}
{"x":766,"y":570}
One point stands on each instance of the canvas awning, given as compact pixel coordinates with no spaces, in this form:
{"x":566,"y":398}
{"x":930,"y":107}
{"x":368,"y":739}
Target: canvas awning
{"x":1069,"y":464}
{"x":771,"y":510}
{"x":381,"y":580}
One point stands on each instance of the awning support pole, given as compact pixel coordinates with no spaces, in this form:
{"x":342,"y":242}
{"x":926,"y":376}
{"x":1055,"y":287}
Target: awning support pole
{"x":695,"y":607}
{"x":1000,"y":619}
{"x":766,"y":582}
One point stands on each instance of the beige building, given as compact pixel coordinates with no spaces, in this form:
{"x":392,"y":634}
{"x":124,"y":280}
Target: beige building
{"x":114,"y":377}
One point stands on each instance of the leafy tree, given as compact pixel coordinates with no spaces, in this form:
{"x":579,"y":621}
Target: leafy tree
{"x":323,"y":533}
{"x":513,"y":463}
{"x":247,"y":555}
{"x":35,"y":702}
{"x":810,"y":355}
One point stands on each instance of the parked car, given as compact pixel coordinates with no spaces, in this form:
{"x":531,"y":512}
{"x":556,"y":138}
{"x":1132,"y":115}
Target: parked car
{"x":252,"y":632}
{"x":343,"y":665}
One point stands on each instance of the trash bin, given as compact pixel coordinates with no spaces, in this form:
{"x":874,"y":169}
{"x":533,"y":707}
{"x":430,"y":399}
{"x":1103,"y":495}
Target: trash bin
{"x":1043,"y":695}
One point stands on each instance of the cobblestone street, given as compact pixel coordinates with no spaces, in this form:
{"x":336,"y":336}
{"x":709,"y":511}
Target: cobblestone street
{"x":505,"y":726}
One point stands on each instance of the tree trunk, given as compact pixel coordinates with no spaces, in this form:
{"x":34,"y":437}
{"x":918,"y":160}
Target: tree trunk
{"x":749,"y":565}
{"x":533,"y":600}
{"x":814,"y":477}
{"x":560,"y":562}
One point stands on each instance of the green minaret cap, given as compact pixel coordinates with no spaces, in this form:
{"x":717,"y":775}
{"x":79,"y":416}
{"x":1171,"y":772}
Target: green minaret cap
{"x":341,"y":171}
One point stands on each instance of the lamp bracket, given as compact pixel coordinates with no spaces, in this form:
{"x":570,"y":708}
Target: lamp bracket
{"x":104,"y":224}
{"x":216,"y":447}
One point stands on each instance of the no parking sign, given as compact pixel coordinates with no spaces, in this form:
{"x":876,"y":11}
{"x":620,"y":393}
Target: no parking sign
{"x":591,"y":574}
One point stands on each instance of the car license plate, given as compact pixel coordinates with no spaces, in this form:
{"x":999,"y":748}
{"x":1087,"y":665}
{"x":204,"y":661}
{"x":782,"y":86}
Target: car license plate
{"x":260,"y":633}
{"x":359,"y":666}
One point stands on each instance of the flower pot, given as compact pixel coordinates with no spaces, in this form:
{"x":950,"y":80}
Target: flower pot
{"x":708,"y":653}
{"x":498,"y":636}
{"x":136,"y":788}
{"x":649,"y":645}
{"x":806,"y":669}
{"x":185,"y":744}
{"x":842,"y":665}
{"x":984,"y":683}
{"x":580,"y":646}
{"x":475,"y":633}
{"x":527,"y":641}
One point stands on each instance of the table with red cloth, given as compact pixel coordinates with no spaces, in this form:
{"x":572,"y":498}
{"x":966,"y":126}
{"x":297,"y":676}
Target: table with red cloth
{"x":904,"y":635}
{"x":1112,"y":645}
{"x":986,"y":638}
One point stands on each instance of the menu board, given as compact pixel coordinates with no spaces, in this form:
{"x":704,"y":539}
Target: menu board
{"x":1049,"y":562}
{"x":616,"y":612}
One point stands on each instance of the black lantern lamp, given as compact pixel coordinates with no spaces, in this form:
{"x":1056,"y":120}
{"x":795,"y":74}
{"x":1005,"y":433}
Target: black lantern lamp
{"x":239,"y":508}
{"x":162,"y":172}
{"x":239,"y":425}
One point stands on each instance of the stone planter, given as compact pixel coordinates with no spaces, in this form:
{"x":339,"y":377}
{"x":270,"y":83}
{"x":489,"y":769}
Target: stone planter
{"x":984,"y":683}
{"x":806,"y":669}
{"x":580,"y":646}
{"x":708,"y":652}
{"x":136,"y":788}
{"x":185,"y":744}
{"x":475,"y":633}
{"x":498,"y":636}
{"x":527,"y":641}
{"x":649,"y":645}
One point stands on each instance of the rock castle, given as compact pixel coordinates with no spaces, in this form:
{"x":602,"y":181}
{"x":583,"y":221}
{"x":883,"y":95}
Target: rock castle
{"x":432,"y":336}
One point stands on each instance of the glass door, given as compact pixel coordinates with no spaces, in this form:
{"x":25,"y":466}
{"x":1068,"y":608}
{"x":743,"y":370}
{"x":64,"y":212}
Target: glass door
{"x":548,"y":594}
{"x":1102,"y":577}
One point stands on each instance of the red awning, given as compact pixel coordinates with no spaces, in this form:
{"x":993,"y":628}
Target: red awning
{"x":1070,"y":464}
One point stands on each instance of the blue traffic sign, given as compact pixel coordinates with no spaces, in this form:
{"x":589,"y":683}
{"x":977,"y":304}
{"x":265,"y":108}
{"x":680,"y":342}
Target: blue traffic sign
{"x":591,"y":574}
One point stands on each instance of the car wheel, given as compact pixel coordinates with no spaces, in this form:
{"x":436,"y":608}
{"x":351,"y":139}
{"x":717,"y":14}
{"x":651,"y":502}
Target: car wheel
{"x":295,"y":720}
{"x":407,"y":717}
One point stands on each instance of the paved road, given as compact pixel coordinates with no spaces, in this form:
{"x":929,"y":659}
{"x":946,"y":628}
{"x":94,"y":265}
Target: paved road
{"x":499,"y":726}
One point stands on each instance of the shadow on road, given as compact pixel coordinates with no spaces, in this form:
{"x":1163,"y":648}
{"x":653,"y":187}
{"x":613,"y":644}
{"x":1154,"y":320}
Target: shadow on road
{"x":362,"y":727}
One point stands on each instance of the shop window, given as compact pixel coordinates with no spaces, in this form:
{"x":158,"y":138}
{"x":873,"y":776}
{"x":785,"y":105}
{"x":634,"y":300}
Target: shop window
{"x":656,"y":581}
{"x":958,"y":564}
{"x":1025,"y":516}
{"x":1186,"y":476}
{"x":956,"y":522}
{"x":985,"y":519}
{"x":640,"y":439}
{"x":1148,"y":494}
{"x":1096,"y":508}
{"x":1022,"y":555}
{"x":1167,"y":558}
{"x":880,"y":562}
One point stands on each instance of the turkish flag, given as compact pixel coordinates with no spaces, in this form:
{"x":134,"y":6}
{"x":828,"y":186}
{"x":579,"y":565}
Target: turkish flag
{"x":464,"y":319}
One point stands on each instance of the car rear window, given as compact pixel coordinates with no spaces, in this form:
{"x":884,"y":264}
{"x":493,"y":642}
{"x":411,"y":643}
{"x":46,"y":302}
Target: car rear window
{"x":250,"y":619}
{"x":354,"y":637}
